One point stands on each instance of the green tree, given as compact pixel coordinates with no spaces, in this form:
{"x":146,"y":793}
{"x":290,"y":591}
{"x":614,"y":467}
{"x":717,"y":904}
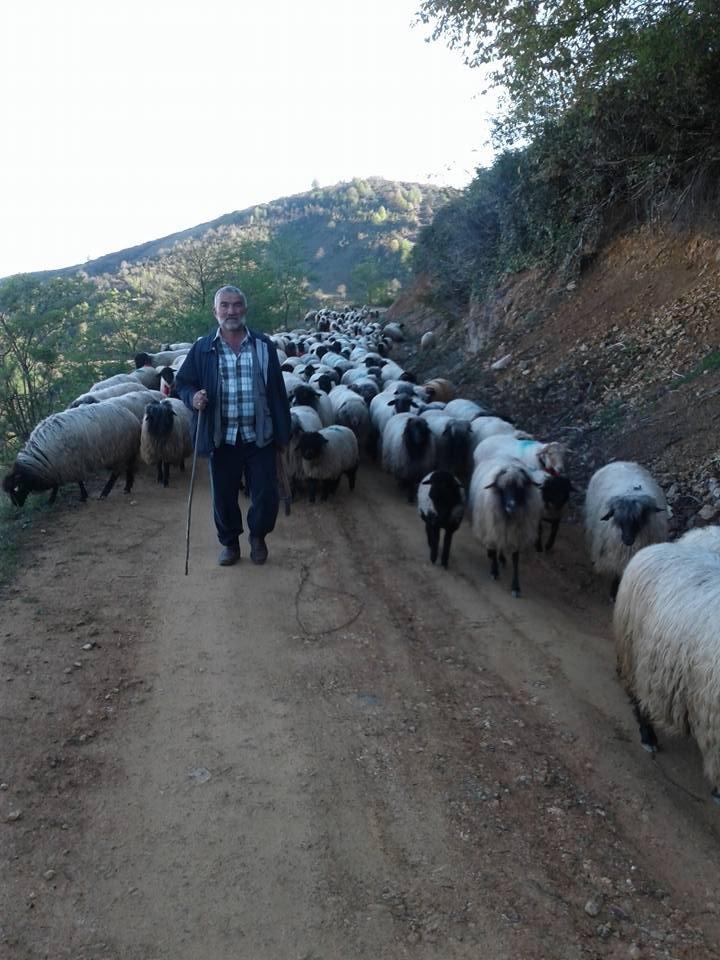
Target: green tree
{"x":45,"y":358}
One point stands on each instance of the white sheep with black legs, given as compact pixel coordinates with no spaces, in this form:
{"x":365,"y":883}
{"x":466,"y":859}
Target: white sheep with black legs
{"x":69,"y":446}
{"x":166,"y":438}
{"x":409,"y":451}
{"x":136,"y":402}
{"x":441,"y":505}
{"x":667,"y":642}
{"x":326,"y":455}
{"x":506,"y":506}
{"x":550,"y":457}
{"x":625,"y":510}
{"x":116,"y":390}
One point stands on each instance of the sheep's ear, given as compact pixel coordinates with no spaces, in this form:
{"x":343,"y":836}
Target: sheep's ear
{"x":608,"y":515}
{"x":391,"y":403}
{"x":426,"y":483}
{"x":489,"y":486}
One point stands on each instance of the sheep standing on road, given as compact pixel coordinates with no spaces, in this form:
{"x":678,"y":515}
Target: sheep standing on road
{"x":69,"y":446}
{"x":506,"y":507}
{"x":625,"y":510}
{"x":166,"y":439}
{"x":327,"y":454}
{"x":441,"y":505}
{"x":409,"y":450}
{"x":667,"y":643}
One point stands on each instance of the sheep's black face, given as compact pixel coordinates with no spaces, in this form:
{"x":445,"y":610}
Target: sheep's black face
{"x":556,"y":492}
{"x":311,"y":445}
{"x":159,"y":417}
{"x":416,"y":436}
{"x":304,"y":397}
{"x":630,"y":514}
{"x":16,"y":488}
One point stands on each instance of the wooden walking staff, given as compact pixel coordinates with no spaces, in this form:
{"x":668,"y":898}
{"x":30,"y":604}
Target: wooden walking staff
{"x":190,"y":493}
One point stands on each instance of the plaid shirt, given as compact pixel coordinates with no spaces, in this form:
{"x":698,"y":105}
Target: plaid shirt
{"x":236,"y":377}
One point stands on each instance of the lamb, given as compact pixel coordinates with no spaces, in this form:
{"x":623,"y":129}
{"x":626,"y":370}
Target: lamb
{"x":327,"y":454}
{"x":441,"y":505}
{"x":409,"y":450}
{"x":625,"y":510}
{"x":555,"y":492}
{"x":453,"y":439}
{"x":505,"y":508}
{"x":68,"y":446}
{"x":666,"y":640}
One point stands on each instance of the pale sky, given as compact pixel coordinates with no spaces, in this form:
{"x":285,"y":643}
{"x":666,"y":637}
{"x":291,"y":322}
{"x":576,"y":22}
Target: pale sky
{"x":124,"y":122}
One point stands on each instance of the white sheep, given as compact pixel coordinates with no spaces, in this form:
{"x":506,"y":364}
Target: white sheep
{"x":327,"y":454}
{"x":302,"y":420}
{"x":409,"y":450}
{"x":350,"y":410}
{"x":441,"y":505}
{"x":464,"y":409}
{"x":307,"y":396}
{"x":136,"y":402}
{"x":667,"y":643}
{"x":506,"y":507}
{"x":166,"y":436}
{"x":69,"y":446}
{"x":625,"y":510}
{"x":116,"y":390}
{"x":548,"y":457}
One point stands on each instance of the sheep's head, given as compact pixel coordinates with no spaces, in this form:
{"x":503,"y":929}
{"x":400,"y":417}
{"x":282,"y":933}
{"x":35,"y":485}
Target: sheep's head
{"x":311,"y":445}
{"x":630,"y":514}
{"x":17,"y":486}
{"x":512,"y":485}
{"x":556,"y":491}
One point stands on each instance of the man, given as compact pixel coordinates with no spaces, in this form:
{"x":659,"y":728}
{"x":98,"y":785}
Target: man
{"x":233,"y":376}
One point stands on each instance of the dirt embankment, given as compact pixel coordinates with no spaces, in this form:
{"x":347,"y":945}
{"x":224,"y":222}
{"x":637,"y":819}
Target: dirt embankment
{"x":623,"y":364}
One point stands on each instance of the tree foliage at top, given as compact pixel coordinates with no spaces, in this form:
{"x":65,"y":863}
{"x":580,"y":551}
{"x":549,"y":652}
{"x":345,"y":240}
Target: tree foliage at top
{"x":550,"y":55}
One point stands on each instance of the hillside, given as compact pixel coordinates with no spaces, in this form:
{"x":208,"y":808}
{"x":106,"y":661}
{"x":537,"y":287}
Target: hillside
{"x":623,"y":363}
{"x":334,"y":229}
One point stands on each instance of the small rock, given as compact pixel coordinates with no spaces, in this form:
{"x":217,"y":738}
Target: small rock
{"x":592,"y":908}
{"x":67,"y":670}
{"x":635,"y":953}
{"x":708,"y":511}
{"x":604,"y":931}
{"x":88,"y":646}
{"x":502,"y":362}
{"x":3,"y":786}
{"x":49,"y":875}
{"x":13,"y":816}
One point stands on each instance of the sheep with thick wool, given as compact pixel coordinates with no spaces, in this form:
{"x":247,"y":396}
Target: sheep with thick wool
{"x":625,"y":510}
{"x":116,"y":390}
{"x":464,"y":409}
{"x":439,"y":389}
{"x":350,"y":410}
{"x":326,"y":455}
{"x":166,"y":436}
{"x":667,"y":642}
{"x":549,"y":457}
{"x":307,"y":396}
{"x":409,"y":451}
{"x":441,"y":505}
{"x":69,"y":446}
{"x":506,"y":507}
{"x":302,"y":420}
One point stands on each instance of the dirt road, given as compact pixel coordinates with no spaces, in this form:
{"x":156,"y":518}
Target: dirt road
{"x":347,"y":753}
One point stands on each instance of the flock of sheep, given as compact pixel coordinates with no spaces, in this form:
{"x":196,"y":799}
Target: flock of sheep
{"x":348,"y":396}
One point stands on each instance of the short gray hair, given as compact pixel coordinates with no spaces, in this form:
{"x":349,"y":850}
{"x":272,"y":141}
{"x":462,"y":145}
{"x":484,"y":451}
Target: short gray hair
{"x":229,"y":288}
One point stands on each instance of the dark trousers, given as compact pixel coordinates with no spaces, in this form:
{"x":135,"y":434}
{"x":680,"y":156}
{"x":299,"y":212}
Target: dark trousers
{"x":227,"y":467}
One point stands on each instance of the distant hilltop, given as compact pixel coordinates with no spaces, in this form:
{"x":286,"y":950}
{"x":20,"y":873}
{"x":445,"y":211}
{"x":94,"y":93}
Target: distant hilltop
{"x":336,"y":228}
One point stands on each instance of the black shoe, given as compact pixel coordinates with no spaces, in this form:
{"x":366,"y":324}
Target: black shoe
{"x":229,"y":555}
{"x":258,"y":550}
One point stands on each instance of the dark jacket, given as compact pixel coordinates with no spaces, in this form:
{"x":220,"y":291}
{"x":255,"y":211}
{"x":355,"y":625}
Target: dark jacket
{"x":200,"y":372}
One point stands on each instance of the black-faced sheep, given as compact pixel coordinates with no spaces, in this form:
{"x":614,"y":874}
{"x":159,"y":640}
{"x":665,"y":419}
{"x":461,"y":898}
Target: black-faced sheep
{"x":441,"y":505}
{"x":327,"y":454}
{"x":506,"y":506}
{"x":69,"y":446}
{"x":350,"y":410}
{"x":409,"y":451}
{"x":165,"y":440}
{"x":307,"y":396}
{"x":625,"y":510}
{"x":667,"y":642}
{"x":555,"y":492}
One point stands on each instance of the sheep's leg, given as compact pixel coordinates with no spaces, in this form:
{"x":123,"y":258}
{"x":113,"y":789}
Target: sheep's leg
{"x":538,"y":541}
{"x":159,"y":476}
{"x":614,"y":587}
{"x":432,"y":529}
{"x":109,"y":485}
{"x":494,"y":569}
{"x":53,"y":496}
{"x":554,"y":524}
{"x":351,"y":478}
{"x":312,"y":488}
{"x":515,"y":584}
{"x":129,"y":477}
{"x":166,"y":473}
{"x":446,"y":546}
{"x":83,"y":491}
{"x":648,"y":737}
